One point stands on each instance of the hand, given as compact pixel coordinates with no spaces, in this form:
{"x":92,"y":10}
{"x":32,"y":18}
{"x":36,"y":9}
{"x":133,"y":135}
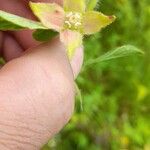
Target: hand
{"x":36,"y":86}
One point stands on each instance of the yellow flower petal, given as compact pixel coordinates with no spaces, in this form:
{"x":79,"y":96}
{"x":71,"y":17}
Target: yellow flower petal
{"x":72,"y":40}
{"x":51,"y":15}
{"x":74,"y":5}
{"x":94,"y":21}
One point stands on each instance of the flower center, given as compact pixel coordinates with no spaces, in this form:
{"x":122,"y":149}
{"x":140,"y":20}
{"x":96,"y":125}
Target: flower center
{"x":73,"y":20}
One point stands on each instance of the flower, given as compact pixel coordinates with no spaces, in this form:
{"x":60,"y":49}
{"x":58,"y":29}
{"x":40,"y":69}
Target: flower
{"x":72,"y":21}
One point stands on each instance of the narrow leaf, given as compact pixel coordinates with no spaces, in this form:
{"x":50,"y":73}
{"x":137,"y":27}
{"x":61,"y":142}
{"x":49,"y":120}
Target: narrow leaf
{"x":12,"y":22}
{"x":119,"y":52}
{"x":44,"y":35}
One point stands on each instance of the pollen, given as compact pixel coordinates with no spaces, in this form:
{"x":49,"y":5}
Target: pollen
{"x":73,"y":20}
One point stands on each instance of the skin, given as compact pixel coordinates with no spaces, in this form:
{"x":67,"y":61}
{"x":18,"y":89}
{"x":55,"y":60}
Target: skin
{"x":36,"y":85}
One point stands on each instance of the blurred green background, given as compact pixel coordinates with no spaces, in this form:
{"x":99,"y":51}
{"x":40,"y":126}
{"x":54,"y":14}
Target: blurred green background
{"x":115,"y":93}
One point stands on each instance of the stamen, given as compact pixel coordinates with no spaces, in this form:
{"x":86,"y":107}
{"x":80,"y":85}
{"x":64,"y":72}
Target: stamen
{"x":77,"y":24}
{"x":69,"y":14}
{"x":68,"y":23}
{"x":78,"y":16}
{"x":73,"y":20}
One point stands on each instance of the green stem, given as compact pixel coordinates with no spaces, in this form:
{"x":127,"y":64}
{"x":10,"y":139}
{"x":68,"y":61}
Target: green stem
{"x":78,"y":91}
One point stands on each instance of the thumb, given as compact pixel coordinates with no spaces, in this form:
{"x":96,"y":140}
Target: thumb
{"x":37,"y":97}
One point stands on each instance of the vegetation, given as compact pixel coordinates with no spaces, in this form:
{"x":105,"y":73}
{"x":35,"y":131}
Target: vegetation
{"x":114,"y":113}
{"x":115,"y":109}
{"x":115,"y":93}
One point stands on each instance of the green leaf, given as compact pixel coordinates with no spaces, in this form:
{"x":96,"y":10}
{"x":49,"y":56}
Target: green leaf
{"x":119,"y":52}
{"x":2,"y":61}
{"x":91,"y":4}
{"x":44,"y":35}
{"x":12,"y":22}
